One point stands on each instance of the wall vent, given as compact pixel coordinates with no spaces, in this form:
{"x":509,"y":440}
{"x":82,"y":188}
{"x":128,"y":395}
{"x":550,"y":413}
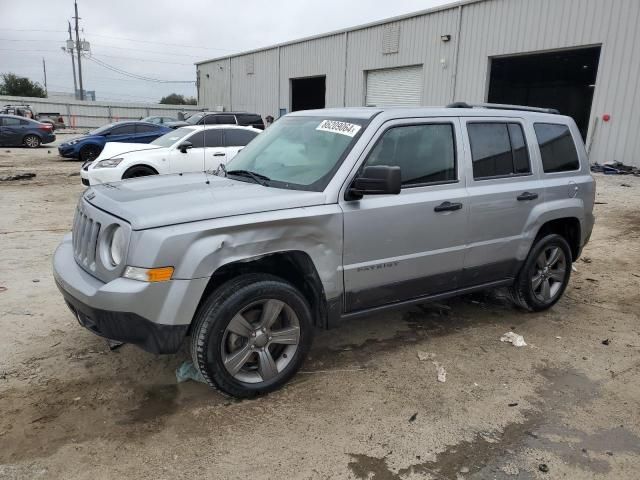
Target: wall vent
{"x":249,"y":64}
{"x":391,"y":38}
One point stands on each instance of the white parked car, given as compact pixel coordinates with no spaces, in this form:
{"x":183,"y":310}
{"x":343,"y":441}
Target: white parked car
{"x":187,"y":149}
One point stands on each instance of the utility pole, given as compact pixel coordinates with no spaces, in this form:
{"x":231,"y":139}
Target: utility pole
{"x":44,"y":68}
{"x":73,"y":64}
{"x":79,"y":50}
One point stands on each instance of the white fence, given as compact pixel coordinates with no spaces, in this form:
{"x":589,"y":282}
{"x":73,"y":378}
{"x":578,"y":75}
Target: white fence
{"x":83,"y":114}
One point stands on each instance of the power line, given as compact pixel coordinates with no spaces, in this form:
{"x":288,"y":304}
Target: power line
{"x":121,"y":57}
{"x":161,"y":43}
{"x":133,"y":75}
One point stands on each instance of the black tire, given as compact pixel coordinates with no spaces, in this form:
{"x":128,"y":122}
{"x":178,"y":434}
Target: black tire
{"x":538,"y":285}
{"x":89,"y":153}
{"x":31,"y":141}
{"x":210,"y":335}
{"x":138,"y":171}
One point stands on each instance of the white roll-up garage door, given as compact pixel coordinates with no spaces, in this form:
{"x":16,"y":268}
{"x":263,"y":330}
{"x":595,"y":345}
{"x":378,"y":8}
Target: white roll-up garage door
{"x":394,"y":87}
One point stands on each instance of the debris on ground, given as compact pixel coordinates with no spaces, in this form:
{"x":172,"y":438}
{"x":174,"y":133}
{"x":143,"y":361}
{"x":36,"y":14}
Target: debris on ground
{"x":586,"y":259}
{"x":625,"y":185}
{"x":74,"y":174}
{"x":514,"y":404}
{"x":513,"y":338}
{"x":606,"y":341}
{"x":442,"y":373}
{"x":615,"y":168}
{"x":3,"y":289}
{"x":114,"y":344}
{"x":413,"y":417}
{"x":543,"y":467}
{"x":423,"y":356}
{"x":188,"y":371}
{"x":18,"y":176}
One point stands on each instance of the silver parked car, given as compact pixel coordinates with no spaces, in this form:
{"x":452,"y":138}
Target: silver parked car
{"x":329,"y":214}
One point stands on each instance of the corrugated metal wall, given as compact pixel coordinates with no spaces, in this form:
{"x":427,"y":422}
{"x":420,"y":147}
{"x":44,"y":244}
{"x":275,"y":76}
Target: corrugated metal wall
{"x":504,"y":27}
{"x":488,"y":28}
{"x":83,"y":114}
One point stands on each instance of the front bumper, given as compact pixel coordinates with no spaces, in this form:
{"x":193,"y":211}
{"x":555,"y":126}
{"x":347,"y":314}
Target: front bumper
{"x":67,"y":151}
{"x":84,"y":177}
{"x":154,"y":316}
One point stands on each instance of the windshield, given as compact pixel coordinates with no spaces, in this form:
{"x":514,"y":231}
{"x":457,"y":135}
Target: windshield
{"x":299,"y":152}
{"x":172,"y":137}
{"x":195,"y":118}
{"x":102,"y":129}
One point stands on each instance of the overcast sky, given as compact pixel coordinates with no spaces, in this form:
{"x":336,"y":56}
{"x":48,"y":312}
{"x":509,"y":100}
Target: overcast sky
{"x":161,"y":39}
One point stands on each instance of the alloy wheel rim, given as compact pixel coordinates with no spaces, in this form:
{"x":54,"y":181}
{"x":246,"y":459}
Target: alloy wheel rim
{"x":549,"y":274}
{"x":260,"y":341}
{"x":31,"y":142}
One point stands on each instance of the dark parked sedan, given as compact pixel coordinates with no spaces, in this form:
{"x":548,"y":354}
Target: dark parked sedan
{"x":89,"y":146}
{"x":18,"y":131}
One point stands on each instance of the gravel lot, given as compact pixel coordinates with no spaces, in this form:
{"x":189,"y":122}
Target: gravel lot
{"x":364,"y":407}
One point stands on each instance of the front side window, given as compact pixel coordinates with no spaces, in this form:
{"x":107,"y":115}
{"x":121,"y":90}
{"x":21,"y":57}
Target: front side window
{"x":236,"y":137}
{"x":146,"y":128}
{"x":213,"y":138}
{"x":424,"y":153}
{"x":557,"y":148}
{"x":224,"y":119}
{"x":498,"y":150}
{"x":10,"y":122}
{"x":197,"y":139}
{"x":300,"y":153}
{"x":124,"y":130}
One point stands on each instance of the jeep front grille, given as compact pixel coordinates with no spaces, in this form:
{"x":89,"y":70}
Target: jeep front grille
{"x":85,"y":239}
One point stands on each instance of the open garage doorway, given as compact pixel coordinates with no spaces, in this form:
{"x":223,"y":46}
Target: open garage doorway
{"x":308,"y":93}
{"x":564,"y":80}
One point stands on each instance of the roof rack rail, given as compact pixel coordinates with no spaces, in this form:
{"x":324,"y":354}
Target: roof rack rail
{"x":500,"y":106}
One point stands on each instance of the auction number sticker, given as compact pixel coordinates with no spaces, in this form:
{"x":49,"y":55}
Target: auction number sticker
{"x":343,"y":128}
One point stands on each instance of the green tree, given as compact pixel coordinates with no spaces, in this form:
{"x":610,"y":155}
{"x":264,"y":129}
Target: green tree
{"x":177,"y":99}
{"x":17,"y":86}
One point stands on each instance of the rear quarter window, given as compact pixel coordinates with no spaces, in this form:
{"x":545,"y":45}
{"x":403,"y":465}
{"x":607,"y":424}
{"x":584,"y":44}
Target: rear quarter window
{"x":557,"y":148}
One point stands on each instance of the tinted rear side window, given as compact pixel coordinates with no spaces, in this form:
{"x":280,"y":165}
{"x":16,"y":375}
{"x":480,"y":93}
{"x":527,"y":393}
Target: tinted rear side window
{"x":236,"y":137}
{"x":249,"y":119}
{"x":498,"y":150}
{"x":557,"y":148}
{"x":213,"y":138}
{"x":424,"y":153}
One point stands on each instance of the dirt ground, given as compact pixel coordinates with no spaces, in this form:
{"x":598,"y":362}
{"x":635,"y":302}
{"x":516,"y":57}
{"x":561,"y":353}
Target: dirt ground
{"x":364,"y":406}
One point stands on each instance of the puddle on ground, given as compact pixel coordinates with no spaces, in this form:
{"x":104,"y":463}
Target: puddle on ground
{"x":488,"y":452}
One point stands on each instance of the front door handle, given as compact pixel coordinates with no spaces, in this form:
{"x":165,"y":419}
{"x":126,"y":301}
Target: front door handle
{"x":218,"y":154}
{"x":447,"y":207}
{"x":523,"y":197}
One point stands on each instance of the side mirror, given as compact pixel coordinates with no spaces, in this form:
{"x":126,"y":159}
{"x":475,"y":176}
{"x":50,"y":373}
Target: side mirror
{"x":184,"y":146}
{"x":376,"y":180}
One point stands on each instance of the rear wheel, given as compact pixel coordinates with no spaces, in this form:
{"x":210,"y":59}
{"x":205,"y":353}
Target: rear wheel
{"x":138,"y":171}
{"x":89,"y":153}
{"x":251,"y":335}
{"x":545,"y":274}
{"x":31,"y":141}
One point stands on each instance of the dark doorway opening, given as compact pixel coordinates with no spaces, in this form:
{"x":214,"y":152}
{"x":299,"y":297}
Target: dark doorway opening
{"x":564,"y":80}
{"x":307,"y":93}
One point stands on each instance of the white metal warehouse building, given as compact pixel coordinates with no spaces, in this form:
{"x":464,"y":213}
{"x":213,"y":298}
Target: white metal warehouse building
{"x":579,"y":56}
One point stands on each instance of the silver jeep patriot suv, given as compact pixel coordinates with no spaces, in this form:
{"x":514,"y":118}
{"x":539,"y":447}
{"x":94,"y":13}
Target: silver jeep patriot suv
{"x":327,"y":215}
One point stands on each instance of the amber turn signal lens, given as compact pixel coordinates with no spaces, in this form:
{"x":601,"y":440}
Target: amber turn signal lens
{"x":160,"y":274}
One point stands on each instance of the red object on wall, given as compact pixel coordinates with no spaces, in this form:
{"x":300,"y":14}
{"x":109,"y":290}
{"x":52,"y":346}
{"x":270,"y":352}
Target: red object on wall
{"x":606,"y":117}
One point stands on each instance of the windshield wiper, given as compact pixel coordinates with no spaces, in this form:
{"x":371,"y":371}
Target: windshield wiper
{"x":256,"y":177}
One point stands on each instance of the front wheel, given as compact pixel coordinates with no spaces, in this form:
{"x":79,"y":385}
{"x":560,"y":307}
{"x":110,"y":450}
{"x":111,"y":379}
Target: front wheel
{"x":545,"y":274}
{"x":251,"y":335}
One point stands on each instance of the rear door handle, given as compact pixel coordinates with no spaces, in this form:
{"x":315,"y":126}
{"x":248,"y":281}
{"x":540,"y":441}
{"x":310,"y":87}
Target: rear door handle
{"x":218,"y":154}
{"x":523,"y":197}
{"x":447,"y":207}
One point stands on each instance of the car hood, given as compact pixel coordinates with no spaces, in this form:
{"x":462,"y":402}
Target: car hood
{"x":111,"y":149}
{"x":163,"y":200}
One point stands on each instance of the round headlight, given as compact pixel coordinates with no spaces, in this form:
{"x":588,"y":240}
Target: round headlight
{"x":118,"y":245}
